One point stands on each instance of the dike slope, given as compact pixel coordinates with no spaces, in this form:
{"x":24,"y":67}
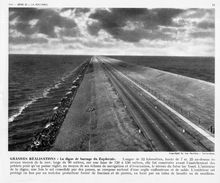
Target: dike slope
{"x":192,"y":96}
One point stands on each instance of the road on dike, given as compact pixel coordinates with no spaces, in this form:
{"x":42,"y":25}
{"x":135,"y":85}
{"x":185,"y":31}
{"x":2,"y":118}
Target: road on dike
{"x":154,"y":123}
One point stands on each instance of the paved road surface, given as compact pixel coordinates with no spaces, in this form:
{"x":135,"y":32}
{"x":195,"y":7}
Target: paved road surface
{"x":155,"y":124}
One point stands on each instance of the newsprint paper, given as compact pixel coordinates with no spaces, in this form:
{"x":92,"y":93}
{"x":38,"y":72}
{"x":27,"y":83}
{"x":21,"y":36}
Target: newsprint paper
{"x":109,"y":91}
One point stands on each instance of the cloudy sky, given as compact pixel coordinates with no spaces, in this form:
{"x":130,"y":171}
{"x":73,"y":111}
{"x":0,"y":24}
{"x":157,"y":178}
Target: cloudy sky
{"x":176,"y":32}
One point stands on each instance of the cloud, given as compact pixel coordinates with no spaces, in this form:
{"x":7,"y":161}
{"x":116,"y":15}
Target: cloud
{"x":115,"y":21}
{"x":206,"y":25}
{"x":108,"y":31}
{"x":68,"y":32}
{"x":202,"y":18}
{"x":77,"y":11}
{"x":47,"y":20}
{"x":195,"y":13}
{"x":202,"y":34}
{"x":27,"y":40}
{"x":81,"y":11}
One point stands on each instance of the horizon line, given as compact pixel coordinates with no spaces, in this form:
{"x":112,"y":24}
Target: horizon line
{"x":108,"y":55}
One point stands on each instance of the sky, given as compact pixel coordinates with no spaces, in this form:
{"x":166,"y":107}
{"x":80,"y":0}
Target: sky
{"x":112,"y":31}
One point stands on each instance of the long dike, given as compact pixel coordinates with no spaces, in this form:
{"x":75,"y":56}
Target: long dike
{"x":44,"y":140}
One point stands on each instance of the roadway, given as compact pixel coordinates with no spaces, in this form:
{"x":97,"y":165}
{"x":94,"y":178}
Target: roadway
{"x":155,"y":124}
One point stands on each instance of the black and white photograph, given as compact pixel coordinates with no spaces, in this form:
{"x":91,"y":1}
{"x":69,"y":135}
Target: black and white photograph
{"x":111,"y":79}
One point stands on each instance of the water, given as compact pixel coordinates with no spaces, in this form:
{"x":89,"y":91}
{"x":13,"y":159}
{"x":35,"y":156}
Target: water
{"x":202,"y":68}
{"x":36,"y":85}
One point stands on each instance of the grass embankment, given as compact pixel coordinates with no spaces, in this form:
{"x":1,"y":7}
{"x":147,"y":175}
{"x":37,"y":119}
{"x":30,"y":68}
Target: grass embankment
{"x":192,"y":96}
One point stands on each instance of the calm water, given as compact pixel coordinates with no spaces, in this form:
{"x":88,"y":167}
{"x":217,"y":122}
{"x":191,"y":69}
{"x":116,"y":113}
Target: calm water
{"x":36,"y":85}
{"x":196,"y":67}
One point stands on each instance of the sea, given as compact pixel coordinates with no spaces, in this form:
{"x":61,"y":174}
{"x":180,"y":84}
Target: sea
{"x":38,"y":82}
{"x":202,"y":68}
{"x":36,"y":85}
